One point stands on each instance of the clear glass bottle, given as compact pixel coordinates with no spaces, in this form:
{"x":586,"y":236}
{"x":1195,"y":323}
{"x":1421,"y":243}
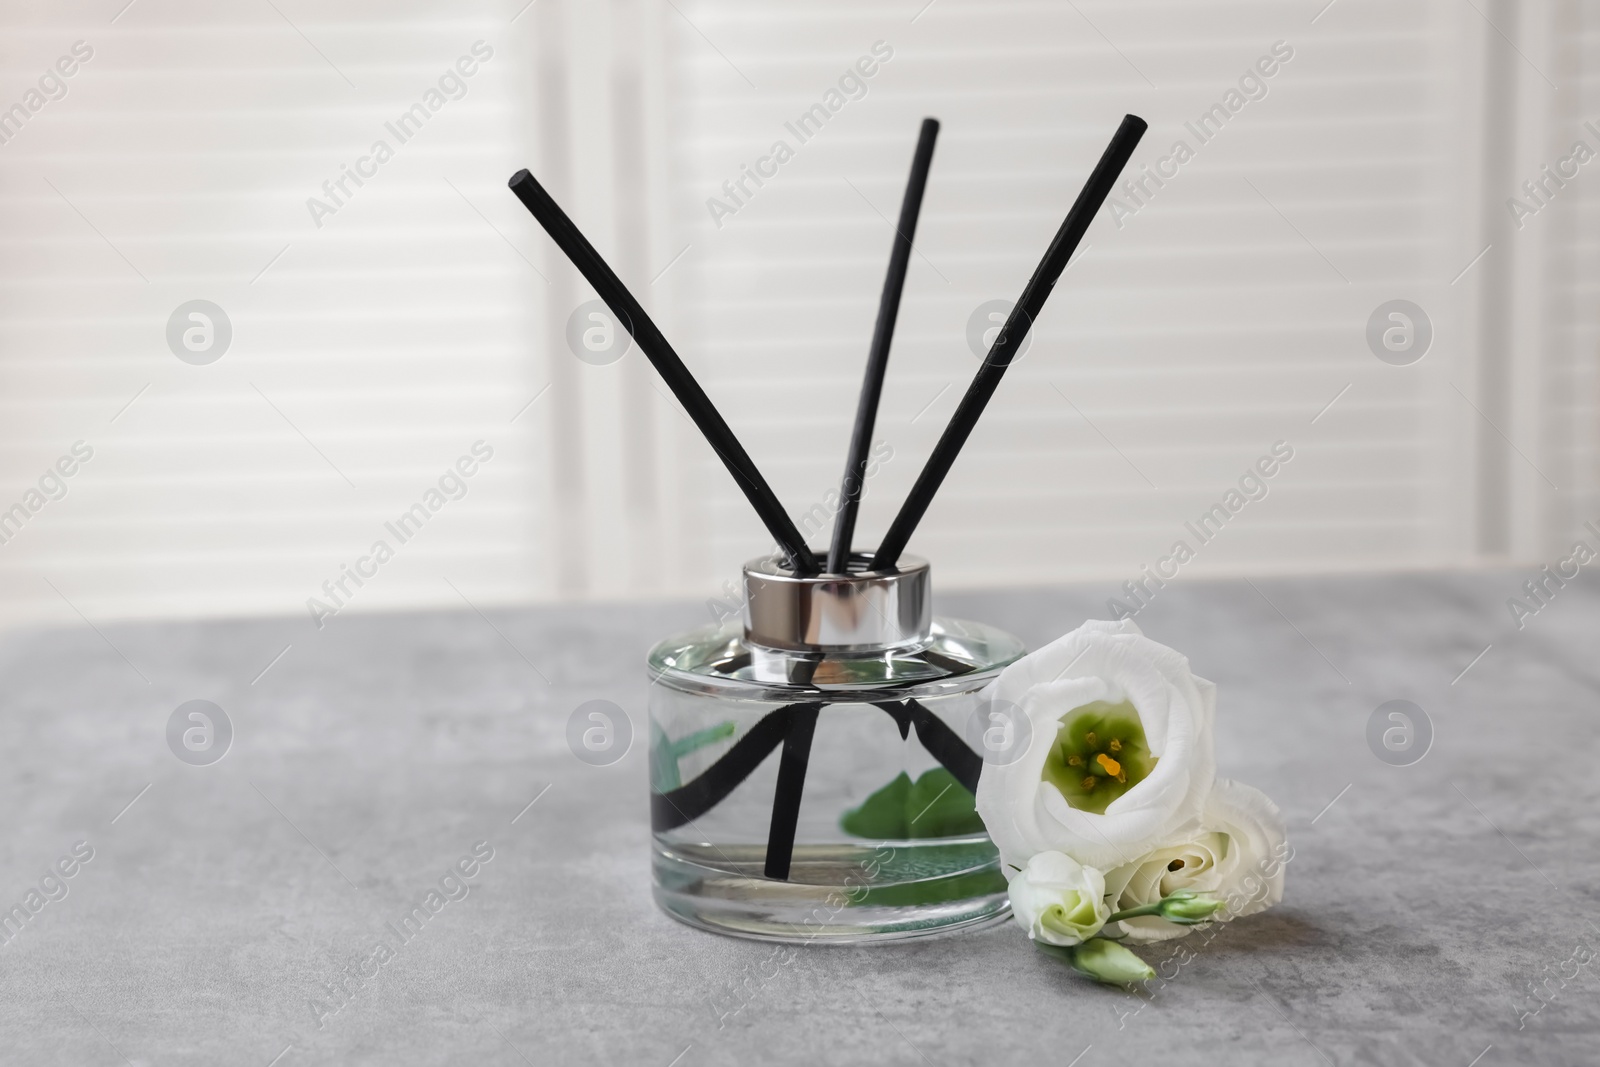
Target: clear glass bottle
{"x":812,"y":766}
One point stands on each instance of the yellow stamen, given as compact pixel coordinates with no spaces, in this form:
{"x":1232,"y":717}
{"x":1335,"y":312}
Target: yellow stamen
{"x":1089,"y":737}
{"x":1116,"y":745}
{"x":1075,"y":761}
{"x":1088,"y":783}
{"x":1109,"y":765}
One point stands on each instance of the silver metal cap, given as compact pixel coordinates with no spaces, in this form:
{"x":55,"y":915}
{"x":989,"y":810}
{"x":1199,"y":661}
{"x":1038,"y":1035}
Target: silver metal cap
{"x":862,"y":611}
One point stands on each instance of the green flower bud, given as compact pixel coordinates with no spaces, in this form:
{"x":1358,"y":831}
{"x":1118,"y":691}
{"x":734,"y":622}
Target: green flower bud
{"x":1187,"y":907}
{"x":1108,"y":962}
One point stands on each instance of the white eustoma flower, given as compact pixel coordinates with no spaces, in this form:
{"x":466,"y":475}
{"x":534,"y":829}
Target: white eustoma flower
{"x":1237,"y":855}
{"x":1058,"y":900}
{"x":1120,"y":754}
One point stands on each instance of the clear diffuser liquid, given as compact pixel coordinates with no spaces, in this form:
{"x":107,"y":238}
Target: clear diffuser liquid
{"x":886,"y":843}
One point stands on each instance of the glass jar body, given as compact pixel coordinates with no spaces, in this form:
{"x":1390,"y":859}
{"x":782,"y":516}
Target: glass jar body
{"x":805,"y":797}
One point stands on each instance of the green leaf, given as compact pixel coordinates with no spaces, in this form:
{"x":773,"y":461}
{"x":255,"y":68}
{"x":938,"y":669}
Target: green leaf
{"x":935,"y":805}
{"x":963,"y":887}
{"x":883,"y":815}
{"x":930,"y":873}
{"x":940,"y":806}
{"x":665,"y":753}
{"x":664,"y":777}
{"x":701,"y":738}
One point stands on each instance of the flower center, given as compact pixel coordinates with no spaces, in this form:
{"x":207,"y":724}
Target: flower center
{"x":1100,"y":753}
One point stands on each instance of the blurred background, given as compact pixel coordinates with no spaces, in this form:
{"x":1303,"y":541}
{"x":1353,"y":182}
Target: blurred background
{"x":362,"y":334}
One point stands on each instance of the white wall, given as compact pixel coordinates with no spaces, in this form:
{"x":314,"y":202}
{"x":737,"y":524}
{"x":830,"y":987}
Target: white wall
{"x":372,"y":351}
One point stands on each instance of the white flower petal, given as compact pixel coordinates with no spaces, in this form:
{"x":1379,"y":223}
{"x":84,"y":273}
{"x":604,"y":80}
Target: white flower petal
{"x":1259,"y":846}
{"x":1237,"y":853}
{"x":1058,"y":900}
{"x":1112,"y":662}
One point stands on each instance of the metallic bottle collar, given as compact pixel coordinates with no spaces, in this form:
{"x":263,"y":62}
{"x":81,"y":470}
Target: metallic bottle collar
{"x":862,"y":611}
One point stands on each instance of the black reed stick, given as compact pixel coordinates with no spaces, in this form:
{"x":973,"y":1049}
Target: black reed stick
{"x":688,"y":802}
{"x":939,"y":741}
{"x":1010,"y":338}
{"x":855,"y":467}
{"x":671,"y":368}
{"x":786,"y":797}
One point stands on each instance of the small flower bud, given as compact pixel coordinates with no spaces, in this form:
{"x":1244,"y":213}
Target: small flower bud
{"x":1108,"y":962}
{"x":1187,"y":907}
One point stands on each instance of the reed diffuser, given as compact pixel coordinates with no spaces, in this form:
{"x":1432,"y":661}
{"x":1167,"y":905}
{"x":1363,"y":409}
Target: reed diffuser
{"x":813,"y":765}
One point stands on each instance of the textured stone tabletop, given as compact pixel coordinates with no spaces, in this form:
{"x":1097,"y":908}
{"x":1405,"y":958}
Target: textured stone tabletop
{"x":1425,"y":903}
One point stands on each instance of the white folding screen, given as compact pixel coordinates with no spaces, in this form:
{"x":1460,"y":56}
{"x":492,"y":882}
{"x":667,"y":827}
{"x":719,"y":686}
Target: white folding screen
{"x":1583,"y":337}
{"x":1537,"y":388}
{"x":1219,"y":318}
{"x":377,"y":337}
{"x":379,"y":324}
{"x":1572,"y":291}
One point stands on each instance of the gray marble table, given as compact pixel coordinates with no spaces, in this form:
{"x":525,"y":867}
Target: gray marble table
{"x":1425,"y":903}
